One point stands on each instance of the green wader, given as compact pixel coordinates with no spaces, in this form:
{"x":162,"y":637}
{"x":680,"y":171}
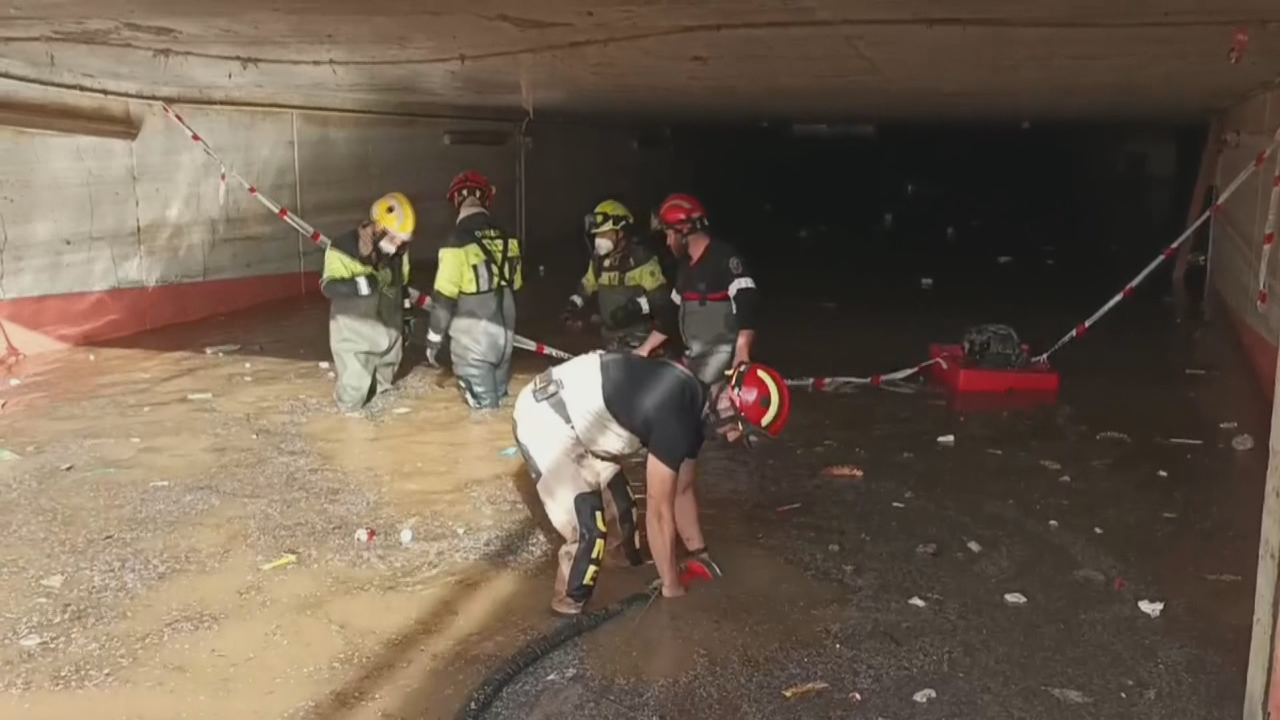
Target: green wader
{"x":366,"y":320}
{"x":367,"y":345}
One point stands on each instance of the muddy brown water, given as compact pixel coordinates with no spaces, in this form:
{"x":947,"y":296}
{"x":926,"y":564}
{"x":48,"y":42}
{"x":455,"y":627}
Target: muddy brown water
{"x":139,"y":519}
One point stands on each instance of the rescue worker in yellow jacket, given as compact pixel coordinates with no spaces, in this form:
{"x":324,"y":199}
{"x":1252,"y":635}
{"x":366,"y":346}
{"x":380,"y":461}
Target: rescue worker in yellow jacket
{"x":365,"y":276}
{"x":473,"y":302}
{"x":624,"y":276}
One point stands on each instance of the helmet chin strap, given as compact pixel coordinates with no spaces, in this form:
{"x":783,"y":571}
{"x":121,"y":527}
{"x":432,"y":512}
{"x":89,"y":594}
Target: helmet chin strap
{"x":748,"y":434}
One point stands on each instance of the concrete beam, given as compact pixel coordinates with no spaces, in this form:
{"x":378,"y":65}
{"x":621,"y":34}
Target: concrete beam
{"x":65,"y":121}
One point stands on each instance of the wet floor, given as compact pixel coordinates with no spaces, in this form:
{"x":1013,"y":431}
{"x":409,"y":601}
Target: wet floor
{"x":154,"y":481}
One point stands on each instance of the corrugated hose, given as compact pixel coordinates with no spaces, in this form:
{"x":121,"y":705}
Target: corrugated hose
{"x":526,"y":657}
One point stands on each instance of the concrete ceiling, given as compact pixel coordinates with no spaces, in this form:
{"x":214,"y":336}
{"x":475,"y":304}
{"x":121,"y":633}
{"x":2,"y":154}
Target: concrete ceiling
{"x":748,"y":59}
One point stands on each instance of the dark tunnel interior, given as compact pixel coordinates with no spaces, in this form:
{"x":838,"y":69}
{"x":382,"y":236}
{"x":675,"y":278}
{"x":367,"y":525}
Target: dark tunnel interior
{"x":936,"y":229}
{"x":1076,"y":207}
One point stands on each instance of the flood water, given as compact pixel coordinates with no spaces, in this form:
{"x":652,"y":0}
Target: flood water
{"x":183,"y":516}
{"x":147,"y":508}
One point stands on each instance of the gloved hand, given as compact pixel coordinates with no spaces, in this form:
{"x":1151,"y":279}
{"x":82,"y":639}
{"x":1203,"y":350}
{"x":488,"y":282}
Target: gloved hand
{"x":704,"y":558}
{"x":433,"y":352}
{"x":570,"y":317}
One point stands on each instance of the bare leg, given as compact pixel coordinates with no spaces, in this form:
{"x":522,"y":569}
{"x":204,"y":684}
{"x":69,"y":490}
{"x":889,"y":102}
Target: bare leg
{"x":687,"y":525}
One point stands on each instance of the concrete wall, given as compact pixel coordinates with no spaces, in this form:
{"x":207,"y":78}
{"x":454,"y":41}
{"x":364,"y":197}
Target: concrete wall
{"x":1238,"y":228}
{"x":85,"y":218}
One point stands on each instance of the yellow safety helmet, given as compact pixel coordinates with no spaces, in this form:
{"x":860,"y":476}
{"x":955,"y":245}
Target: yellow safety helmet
{"x":394,"y":213}
{"x":608,"y":215}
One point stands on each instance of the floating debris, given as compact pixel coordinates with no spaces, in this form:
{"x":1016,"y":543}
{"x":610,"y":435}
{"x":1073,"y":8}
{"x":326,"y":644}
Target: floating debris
{"x":947,"y":440}
{"x":1113,"y":435}
{"x":927,"y":549}
{"x":843,"y":471}
{"x":1090,"y":575}
{"x":1052,"y":465}
{"x":401,"y":411}
{"x":974,"y":546}
{"x":925,"y":695}
{"x":9,"y":455}
{"x":1151,"y":608}
{"x":32,"y":640}
{"x":1224,"y":578}
{"x":200,"y":396}
{"x":220,"y":349}
{"x":1228,"y":425}
{"x":1066,"y":695}
{"x":785,"y":508}
{"x":915,"y":600}
{"x":1242,"y":443}
{"x":288,"y":558}
{"x":54,"y":581}
{"x":1185,"y":441}
{"x":1014,"y":598}
{"x":1162,"y":473}
{"x":899,"y":505}
{"x":806,"y":689}
{"x":1053,"y":524}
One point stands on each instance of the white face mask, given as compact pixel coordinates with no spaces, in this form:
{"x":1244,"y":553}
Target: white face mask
{"x":388,"y":246}
{"x":604,"y":245}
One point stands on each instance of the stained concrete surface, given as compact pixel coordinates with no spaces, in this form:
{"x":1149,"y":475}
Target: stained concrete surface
{"x":162,"y":601}
{"x":880,"y":59}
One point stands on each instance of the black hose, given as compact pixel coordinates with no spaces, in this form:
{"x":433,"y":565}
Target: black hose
{"x":496,"y":681}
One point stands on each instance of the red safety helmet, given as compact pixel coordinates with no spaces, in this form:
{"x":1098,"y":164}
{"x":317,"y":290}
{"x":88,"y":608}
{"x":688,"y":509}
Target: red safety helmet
{"x":761,"y":397}
{"x":471,"y":184}
{"x":681,"y":213}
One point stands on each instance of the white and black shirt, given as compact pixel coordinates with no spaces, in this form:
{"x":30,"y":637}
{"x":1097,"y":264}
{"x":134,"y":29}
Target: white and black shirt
{"x":619,"y":403}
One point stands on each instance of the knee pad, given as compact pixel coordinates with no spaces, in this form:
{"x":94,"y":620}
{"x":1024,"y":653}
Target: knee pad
{"x":628,"y":517}
{"x":588,"y":508}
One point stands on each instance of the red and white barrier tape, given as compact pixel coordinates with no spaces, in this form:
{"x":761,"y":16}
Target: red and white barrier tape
{"x":1168,"y":252}
{"x":418,"y":299}
{"x":1269,"y":235}
{"x":837,"y":382}
{"x":833,"y":383}
{"x":527,"y":344}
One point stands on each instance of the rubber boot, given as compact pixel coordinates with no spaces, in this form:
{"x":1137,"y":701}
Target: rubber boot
{"x":561,"y":603}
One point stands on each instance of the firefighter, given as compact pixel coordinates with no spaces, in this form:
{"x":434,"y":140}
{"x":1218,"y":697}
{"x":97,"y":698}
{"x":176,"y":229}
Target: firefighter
{"x":624,"y":276}
{"x":714,"y":303}
{"x":365,"y":276}
{"x":575,"y":420}
{"x":473,"y":302}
